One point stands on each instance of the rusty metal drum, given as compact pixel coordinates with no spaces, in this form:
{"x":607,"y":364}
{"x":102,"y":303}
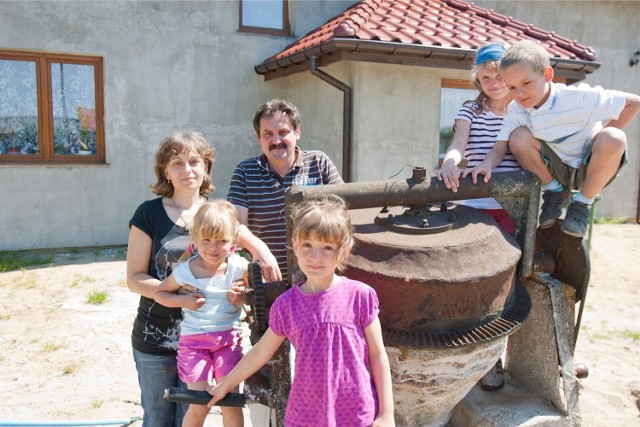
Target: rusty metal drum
{"x":444,"y":279}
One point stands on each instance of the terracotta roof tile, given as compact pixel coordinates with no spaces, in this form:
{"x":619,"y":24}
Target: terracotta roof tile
{"x":446,"y":23}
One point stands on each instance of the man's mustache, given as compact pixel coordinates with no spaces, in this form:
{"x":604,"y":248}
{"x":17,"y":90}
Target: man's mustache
{"x":280,"y":146}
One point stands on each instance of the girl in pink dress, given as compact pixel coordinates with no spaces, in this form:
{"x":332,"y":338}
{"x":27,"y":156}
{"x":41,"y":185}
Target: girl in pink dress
{"x":342,"y":375}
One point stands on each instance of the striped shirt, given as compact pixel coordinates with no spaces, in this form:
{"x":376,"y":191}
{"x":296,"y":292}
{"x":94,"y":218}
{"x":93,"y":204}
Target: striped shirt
{"x":568,"y":119}
{"x":484,"y":128}
{"x":254,"y":187}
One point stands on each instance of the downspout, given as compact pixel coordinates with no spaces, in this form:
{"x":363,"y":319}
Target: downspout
{"x":346,"y":116}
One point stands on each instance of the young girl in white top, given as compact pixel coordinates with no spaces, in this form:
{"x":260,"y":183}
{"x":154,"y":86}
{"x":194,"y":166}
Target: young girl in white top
{"x":210,"y":344}
{"x":476,"y":126}
{"x":342,"y":375}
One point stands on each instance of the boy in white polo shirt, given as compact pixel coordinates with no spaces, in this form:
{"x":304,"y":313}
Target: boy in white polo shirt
{"x":557,"y":132}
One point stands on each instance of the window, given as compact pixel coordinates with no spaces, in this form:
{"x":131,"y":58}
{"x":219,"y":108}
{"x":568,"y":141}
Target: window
{"x":452,"y":95}
{"x":50,"y":108}
{"x":265,"y":16}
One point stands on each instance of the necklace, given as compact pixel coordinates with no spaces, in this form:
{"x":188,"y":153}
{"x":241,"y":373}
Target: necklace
{"x":187,"y":224}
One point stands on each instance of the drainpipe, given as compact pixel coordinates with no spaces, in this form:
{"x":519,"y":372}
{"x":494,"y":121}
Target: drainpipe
{"x":346,"y":116}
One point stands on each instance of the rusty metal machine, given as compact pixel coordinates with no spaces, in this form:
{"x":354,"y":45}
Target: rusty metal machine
{"x":452,"y":286}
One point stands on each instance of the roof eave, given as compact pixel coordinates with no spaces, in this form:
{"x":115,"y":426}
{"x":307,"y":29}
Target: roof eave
{"x":339,"y":49}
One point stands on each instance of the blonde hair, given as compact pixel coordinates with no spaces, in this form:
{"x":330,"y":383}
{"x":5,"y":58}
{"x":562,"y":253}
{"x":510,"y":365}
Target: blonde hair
{"x":527,"y":52}
{"x":179,"y":143}
{"x":216,"y":220}
{"x":482,"y":99}
{"x":326,"y":219}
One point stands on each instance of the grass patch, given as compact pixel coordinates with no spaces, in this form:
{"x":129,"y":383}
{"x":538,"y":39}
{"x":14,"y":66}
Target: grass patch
{"x":97,"y":297}
{"x":69,"y":369}
{"x":16,"y":260}
{"x":77,"y":279}
{"x":633,"y":335}
{"x":49,"y":347}
{"x":96,"y":404}
{"x":5,"y":316}
{"x":607,"y":220}
{"x":122,"y":283}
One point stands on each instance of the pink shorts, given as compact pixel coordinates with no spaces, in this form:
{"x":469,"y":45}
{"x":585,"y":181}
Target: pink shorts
{"x":203,"y":357}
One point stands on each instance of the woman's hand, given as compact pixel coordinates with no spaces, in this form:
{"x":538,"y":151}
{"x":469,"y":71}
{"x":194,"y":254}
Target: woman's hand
{"x":192,"y":301}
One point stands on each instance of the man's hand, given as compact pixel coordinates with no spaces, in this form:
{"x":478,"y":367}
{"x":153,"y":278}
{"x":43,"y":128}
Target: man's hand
{"x":269,"y":267}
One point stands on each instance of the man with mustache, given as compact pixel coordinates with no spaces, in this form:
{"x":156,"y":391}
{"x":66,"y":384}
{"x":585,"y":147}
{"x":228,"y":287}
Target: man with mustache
{"x":258,"y":184}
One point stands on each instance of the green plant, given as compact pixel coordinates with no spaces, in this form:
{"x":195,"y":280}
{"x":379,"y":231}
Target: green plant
{"x":446,"y":136}
{"x":96,"y":403}
{"x":607,"y":220}
{"x":633,"y":335}
{"x":97,"y":297}
{"x":78,"y":278}
{"x":69,"y":369}
{"x":49,"y":347}
{"x":16,"y":260}
{"x":28,"y":136}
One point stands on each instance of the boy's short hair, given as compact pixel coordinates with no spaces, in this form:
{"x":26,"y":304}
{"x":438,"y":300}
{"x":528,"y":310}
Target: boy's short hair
{"x":327,"y":219}
{"x":273,"y":107}
{"x":528,"y":52}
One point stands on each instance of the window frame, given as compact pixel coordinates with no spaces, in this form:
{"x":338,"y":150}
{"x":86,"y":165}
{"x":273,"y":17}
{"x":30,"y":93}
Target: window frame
{"x":284,"y":31}
{"x":46,"y":155}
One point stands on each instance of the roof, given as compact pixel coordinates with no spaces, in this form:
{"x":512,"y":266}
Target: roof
{"x":435,"y":33}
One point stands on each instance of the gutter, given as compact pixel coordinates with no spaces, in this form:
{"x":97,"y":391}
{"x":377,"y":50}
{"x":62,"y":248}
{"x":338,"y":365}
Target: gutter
{"x":347,"y":116}
{"x":334,"y":49}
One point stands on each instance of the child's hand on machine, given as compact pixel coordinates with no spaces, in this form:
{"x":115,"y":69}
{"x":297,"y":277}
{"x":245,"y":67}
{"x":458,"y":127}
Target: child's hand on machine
{"x":236,"y":295}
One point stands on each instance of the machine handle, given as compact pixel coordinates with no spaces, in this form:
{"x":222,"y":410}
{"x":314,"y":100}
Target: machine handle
{"x":196,"y":397}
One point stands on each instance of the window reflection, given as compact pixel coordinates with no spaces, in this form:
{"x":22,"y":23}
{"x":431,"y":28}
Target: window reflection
{"x":263,"y":14}
{"x":18,"y":107}
{"x":451,"y":100}
{"x":73,"y":102}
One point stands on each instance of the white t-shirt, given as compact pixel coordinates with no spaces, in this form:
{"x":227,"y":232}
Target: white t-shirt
{"x":217,"y":314}
{"x":568,"y":119}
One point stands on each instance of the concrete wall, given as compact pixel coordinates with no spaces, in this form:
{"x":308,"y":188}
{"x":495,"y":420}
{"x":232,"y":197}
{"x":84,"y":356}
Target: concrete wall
{"x":183,"y":65}
{"x":611,"y":28}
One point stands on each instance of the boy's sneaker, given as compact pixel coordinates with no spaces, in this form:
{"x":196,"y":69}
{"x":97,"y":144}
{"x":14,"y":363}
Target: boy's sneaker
{"x":552,"y":204}
{"x":577,"y":218}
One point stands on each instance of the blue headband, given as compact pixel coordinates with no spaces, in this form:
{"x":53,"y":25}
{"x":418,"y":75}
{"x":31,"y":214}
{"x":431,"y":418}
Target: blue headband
{"x":490,"y":52}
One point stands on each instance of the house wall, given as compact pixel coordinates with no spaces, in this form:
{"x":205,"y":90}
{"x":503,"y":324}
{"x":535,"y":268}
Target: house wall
{"x":167,"y":66}
{"x":183,"y":65}
{"x":610,"y":27}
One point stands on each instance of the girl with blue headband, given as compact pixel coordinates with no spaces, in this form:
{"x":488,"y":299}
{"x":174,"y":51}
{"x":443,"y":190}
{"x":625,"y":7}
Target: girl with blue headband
{"x":475,"y":130}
